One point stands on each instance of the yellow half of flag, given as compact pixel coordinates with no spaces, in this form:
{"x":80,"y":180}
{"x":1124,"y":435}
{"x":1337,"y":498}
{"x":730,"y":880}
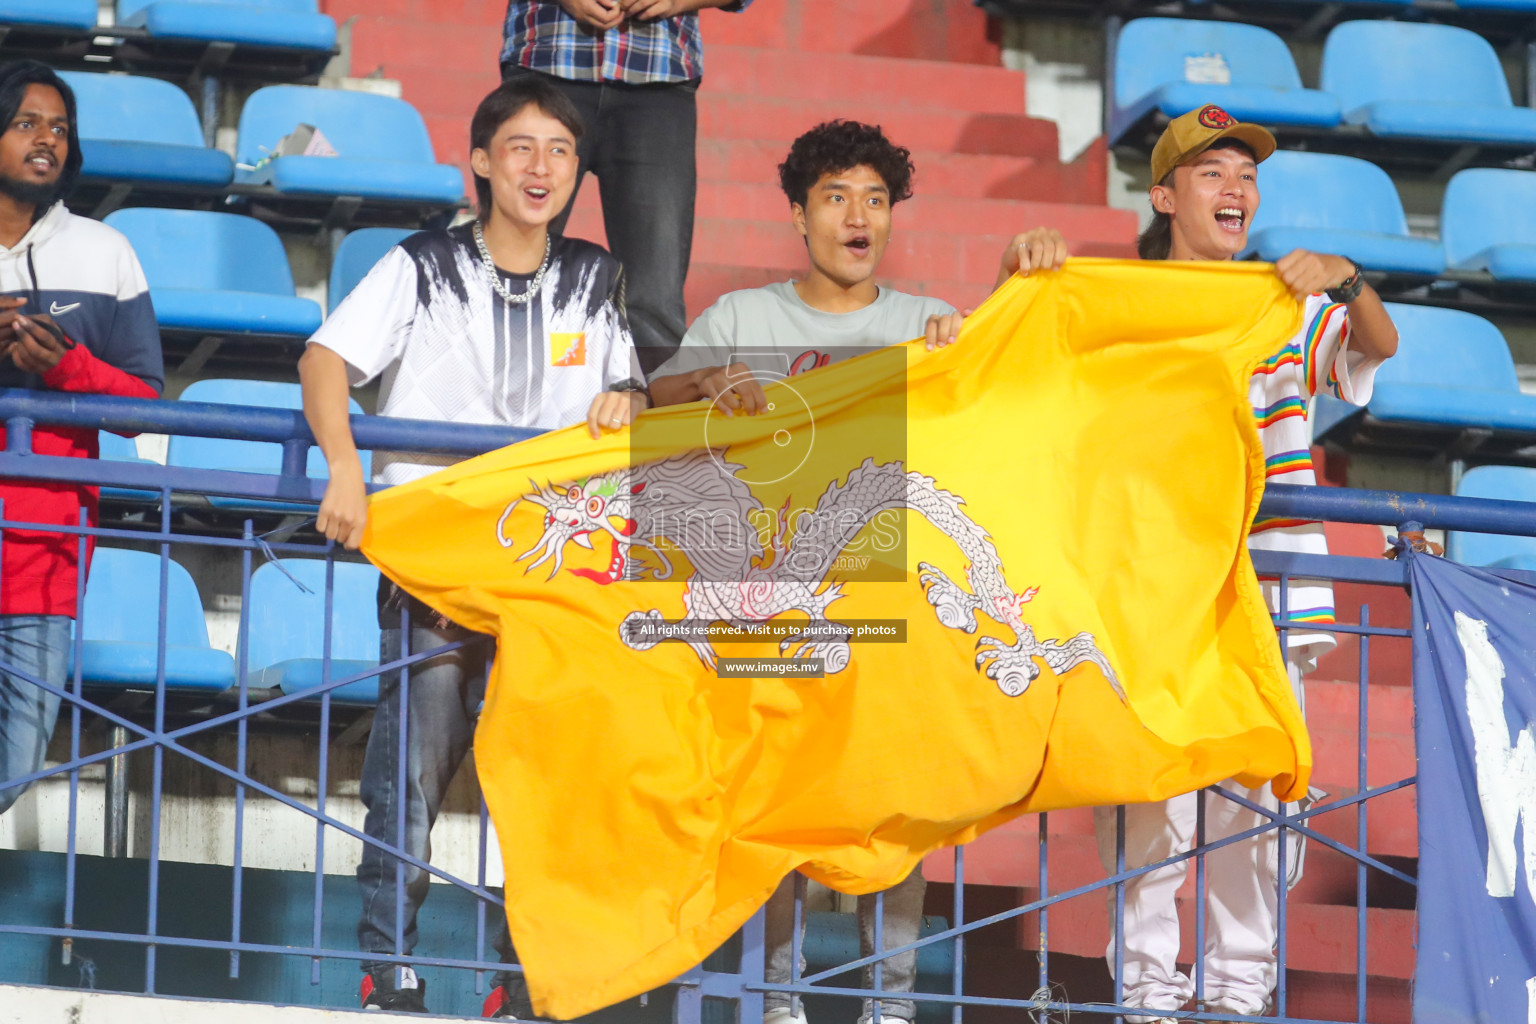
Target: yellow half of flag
{"x":1018,"y":563}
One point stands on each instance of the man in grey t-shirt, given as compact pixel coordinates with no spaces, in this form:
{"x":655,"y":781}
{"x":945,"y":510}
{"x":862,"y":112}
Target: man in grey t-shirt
{"x":841,"y":178}
{"x":775,"y":332}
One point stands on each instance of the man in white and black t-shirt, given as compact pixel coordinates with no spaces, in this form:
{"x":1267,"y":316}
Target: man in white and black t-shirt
{"x":841,"y":178}
{"x":494,"y":322}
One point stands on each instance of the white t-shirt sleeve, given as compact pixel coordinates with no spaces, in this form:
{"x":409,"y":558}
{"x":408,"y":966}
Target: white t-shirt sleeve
{"x":368,"y":330}
{"x":1329,"y":365}
{"x":707,"y":343}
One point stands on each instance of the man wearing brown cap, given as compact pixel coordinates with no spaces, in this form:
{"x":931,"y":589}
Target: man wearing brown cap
{"x":1204,"y":195}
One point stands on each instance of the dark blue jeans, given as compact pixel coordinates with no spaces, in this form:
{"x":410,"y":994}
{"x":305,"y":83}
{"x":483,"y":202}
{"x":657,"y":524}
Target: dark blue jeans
{"x":639,"y":141}
{"x":39,"y":646}
{"x":444,"y":699}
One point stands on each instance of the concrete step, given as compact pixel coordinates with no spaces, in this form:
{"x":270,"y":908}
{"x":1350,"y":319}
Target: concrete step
{"x":975,"y":175}
{"x":753,"y":70}
{"x":1310,"y":995}
{"x":389,"y":46}
{"x":945,"y":30}
{"x":37,"y":1005}
{"x":728,"y":116}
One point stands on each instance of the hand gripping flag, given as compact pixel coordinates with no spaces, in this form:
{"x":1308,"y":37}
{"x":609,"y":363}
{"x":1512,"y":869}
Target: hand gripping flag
{"x":1050,"y":517}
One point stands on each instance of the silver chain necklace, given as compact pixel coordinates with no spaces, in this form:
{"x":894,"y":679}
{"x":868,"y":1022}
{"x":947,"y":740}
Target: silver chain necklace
{"x":495,"y":275}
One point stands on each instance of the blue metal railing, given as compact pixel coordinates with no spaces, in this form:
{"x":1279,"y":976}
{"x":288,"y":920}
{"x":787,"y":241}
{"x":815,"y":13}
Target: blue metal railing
{"x":737,"y":976}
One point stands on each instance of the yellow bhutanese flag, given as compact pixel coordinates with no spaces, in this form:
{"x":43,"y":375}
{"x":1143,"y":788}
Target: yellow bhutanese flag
{"x":1053,"y":513}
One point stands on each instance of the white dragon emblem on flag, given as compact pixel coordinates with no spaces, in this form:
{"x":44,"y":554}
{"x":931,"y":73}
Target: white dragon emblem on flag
{"x":695,"y":503}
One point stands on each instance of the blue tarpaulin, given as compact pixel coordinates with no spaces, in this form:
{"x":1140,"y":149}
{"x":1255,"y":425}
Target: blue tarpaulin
{"x":1474,"y":686}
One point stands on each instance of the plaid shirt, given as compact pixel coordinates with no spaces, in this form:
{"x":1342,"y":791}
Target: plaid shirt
{"x":541,"y":36}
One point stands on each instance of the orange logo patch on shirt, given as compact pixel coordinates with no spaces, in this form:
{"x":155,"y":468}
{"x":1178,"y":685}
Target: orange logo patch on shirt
{"x":567,"y":348}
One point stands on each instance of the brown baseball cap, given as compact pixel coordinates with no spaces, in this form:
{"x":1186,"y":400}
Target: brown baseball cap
{"x":1189,"y":135}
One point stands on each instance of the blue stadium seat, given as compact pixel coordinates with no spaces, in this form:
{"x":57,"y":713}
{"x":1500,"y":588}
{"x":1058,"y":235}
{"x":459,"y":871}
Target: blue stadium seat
{"x":1174,"y":65}
{"x":356,"y":255}
{"x":1417,"y":81}
{"x":1507,"y":483}
{"x":1336,"y":204}
{"x":383,"y":151}
{"x":287,"y":628}
{"x":216,"y":273}
{"x":294,"y":24}
{"x":145,"y":130}
{"x":121,"y":623}
{"x":116,"y":448}
{"x":80,"y":14}
{"x":1452,"y":369}
{"x":1488,"y":222}
{"x":247,"y":456}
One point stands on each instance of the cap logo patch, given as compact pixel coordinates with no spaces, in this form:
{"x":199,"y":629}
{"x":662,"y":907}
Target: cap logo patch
{"x":1213,"y":116}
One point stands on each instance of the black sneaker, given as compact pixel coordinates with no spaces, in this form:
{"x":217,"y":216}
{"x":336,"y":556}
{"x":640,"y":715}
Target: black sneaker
{"x":509,"y":1004}
{"x":394,"y":988}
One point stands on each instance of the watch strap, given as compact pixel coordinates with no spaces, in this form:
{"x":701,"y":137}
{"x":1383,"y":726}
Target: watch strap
{"x":1350,"y":288}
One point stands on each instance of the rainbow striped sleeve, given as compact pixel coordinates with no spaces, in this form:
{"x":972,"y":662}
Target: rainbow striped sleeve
{"x":1331,"y":314}
{"x":1320,"y":616}
{"x":1333,"y":379}
{"x":1287,"y":462}
{"x":1288,"y":356}
{"x":1284,"y":409}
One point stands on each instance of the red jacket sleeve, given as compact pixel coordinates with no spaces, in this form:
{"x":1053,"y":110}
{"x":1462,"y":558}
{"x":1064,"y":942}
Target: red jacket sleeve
{"x":82,"y":373}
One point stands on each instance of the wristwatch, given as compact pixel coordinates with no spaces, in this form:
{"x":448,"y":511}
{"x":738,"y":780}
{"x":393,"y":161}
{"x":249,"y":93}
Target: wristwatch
{"x":1349,"y":290}
{"x":631,"y":384}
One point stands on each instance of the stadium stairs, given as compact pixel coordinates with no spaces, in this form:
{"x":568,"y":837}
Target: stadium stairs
{"x":924,"y":69}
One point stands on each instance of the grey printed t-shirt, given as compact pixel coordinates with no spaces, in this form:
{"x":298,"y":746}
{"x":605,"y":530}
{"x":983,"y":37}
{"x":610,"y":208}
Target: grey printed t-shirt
{"x":777,"y":335}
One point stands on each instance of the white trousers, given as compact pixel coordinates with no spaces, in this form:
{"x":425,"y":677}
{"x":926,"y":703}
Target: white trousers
{"x":1241,"y":898}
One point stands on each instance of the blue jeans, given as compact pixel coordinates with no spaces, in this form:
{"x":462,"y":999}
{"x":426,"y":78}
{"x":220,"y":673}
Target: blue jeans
{"x":39,"y":646}
{"x":445,"y":695}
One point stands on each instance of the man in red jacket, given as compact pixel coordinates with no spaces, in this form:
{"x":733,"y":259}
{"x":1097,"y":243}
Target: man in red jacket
{"x":75,"y":316}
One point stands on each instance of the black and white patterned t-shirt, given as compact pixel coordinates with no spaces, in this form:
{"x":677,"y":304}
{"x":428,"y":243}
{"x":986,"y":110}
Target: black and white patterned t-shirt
{"x":446,"y":346}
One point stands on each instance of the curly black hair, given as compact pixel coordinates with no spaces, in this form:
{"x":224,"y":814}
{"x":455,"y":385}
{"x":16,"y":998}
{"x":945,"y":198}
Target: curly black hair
{"x":834,"y":146}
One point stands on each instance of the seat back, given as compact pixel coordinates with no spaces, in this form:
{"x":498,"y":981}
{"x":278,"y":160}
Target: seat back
{"x":1508,"y":483}
{"x":1366,"y":62}
{"x":204,"y":251}
{"x":127,"y":7}
{"x":287,"y":623}
{"x":63,"y":13}
{"x":128,"y":108}
{"x":116,"y":448}
{"x":1151,"y":52}
{"x":1448,"y":348}
{"x":1487,"y":206}
{"x":122,"y":601}
{"x":356,"y":255}
{"x":1323,"y":190}
{"x":246,"y":456}
{"x":359,"y":125}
